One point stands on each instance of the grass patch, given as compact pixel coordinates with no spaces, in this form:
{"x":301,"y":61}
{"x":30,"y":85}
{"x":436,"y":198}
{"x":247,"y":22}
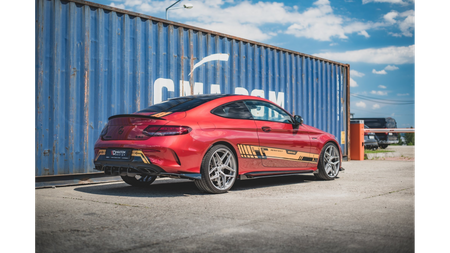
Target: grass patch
{"x":377,"y":151}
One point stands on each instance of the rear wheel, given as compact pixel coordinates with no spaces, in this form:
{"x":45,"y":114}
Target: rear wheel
{"x":139,"y":180}
{"x":329,"y":162}
{"x":218,"y":170}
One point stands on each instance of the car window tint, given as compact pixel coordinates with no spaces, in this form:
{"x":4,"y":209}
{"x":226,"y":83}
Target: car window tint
{"x":261,"y":110}
{"x":180,"y":104}
{"x":379,"y":122}
{"x":165,"y":106}
{"x":391,"y":123}
{"x":235,"y":110}
{"x":375,"y":123}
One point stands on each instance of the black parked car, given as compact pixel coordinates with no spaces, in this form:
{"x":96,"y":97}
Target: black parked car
{"x":384,"y":139}
{"x":370,"y":140}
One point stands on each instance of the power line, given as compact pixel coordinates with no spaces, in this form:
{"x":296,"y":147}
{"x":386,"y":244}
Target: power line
{"x":383,"y":101}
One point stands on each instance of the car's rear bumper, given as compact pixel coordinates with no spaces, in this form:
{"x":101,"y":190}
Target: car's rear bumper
{"x":175,"y":154}
{"x":370,"y":143}
{"x":387,"y":142}
{"x":138,"y":164}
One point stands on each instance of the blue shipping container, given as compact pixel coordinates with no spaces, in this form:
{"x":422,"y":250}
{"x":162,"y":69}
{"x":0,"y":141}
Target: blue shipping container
{"x":95,"y":61}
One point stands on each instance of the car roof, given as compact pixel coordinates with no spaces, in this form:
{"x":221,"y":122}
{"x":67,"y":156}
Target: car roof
{"x":228,"y":98}
{"x":186,"y":103}
{"x":206,"y":96}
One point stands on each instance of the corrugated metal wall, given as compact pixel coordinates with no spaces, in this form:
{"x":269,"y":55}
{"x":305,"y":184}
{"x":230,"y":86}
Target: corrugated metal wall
{"x":94,"y":61}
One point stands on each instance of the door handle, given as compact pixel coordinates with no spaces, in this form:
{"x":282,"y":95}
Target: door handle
{"x":266,"y":129}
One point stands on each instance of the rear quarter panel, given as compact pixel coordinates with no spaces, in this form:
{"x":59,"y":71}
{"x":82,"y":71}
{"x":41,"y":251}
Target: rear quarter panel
{"x":215,"y":129}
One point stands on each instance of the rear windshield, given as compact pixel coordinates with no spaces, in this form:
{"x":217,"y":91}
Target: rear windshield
{"x":391,"y":123}
{"x":181,"y":104}
{"x":379,"y":122}
{"x":375,"y":123}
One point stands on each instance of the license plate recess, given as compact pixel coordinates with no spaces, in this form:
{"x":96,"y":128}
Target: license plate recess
{"x":118,"y":154}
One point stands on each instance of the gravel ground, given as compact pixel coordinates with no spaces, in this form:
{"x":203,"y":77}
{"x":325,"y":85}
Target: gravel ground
{"x":369,"y":208}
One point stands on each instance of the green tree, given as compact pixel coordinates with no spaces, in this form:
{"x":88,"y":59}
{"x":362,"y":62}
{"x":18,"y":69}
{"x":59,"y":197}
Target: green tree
{"x":409,"y":138}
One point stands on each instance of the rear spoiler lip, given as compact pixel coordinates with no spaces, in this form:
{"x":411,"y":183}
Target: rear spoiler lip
{"x":134,"y":116}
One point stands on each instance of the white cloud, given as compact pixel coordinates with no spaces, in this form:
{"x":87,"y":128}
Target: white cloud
{"x":120,"y":6}
{"x":356,"y":73}
{"x":385,"y":55}
{"x":405,"y":21}
{"x":353,"y":83}
{"x":361,"y":104}
{"x":318,"y":22}
{"x":408,"y":23}
{"x":333,"y":44}
{"x":246,"y":19}
{"x":133,"y":2}
{"x":382,"y":87}
{"x":391,"y":68}
{"x":379,"y":92}
{"x":364,"y":33}
{"x":375,"y":106}
{"x":381,"y":72}
{"x":360,"y":27}
{"x":243,"y":19}
{"x":235,"y":29}
{"x":390,"y":17}
{"x":405,"y":94}
{"x":402,"y":2}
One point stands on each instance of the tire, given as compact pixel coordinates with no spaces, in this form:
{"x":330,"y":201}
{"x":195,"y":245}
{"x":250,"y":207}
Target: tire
{"x":218,"y":170}
{"x":329,"y":162}
{"x":139,"y":180}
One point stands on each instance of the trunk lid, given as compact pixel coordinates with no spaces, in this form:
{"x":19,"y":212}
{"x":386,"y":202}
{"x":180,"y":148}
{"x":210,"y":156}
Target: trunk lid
{"x":132,"y":126}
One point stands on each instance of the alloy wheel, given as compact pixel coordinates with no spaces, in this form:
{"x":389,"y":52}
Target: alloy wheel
{"x":331,"y":161}
{"x":222,"y":169}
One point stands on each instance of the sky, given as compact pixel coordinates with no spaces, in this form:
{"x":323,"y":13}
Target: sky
{"x":376,"y":37}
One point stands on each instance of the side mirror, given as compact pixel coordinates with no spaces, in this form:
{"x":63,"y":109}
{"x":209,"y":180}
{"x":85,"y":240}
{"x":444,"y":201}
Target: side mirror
{"x":298,"y":120}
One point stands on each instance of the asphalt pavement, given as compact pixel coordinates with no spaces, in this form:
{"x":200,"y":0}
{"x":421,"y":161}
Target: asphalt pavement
{"x":369,"y":208}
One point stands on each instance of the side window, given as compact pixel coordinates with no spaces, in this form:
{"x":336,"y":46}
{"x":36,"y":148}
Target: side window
{"x":261,"y":110}
{"x":235,"y":110}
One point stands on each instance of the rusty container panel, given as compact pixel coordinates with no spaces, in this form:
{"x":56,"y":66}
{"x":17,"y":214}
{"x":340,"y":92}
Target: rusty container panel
{"x":95,"y":61}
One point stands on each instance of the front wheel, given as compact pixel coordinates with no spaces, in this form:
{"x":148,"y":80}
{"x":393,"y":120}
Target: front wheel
{"x":218,"y":170}
{"x":329,"y":162}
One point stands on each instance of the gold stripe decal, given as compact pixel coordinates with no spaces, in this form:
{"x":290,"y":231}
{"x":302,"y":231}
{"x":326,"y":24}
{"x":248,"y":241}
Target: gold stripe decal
{"x":140,"y":154}
{"x":136,"y":153}
{"x":161,"y":114}
{"x":100,"y":152}
{"x":251,"y":151}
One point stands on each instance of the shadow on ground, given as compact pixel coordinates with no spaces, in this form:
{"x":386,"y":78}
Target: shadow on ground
{"x":182,"y":187}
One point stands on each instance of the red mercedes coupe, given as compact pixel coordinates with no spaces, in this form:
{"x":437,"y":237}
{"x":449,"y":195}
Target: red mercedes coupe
{"x":214,"y":140}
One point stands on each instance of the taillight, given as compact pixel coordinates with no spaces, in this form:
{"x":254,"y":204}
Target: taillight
{"x":166,"y":130}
